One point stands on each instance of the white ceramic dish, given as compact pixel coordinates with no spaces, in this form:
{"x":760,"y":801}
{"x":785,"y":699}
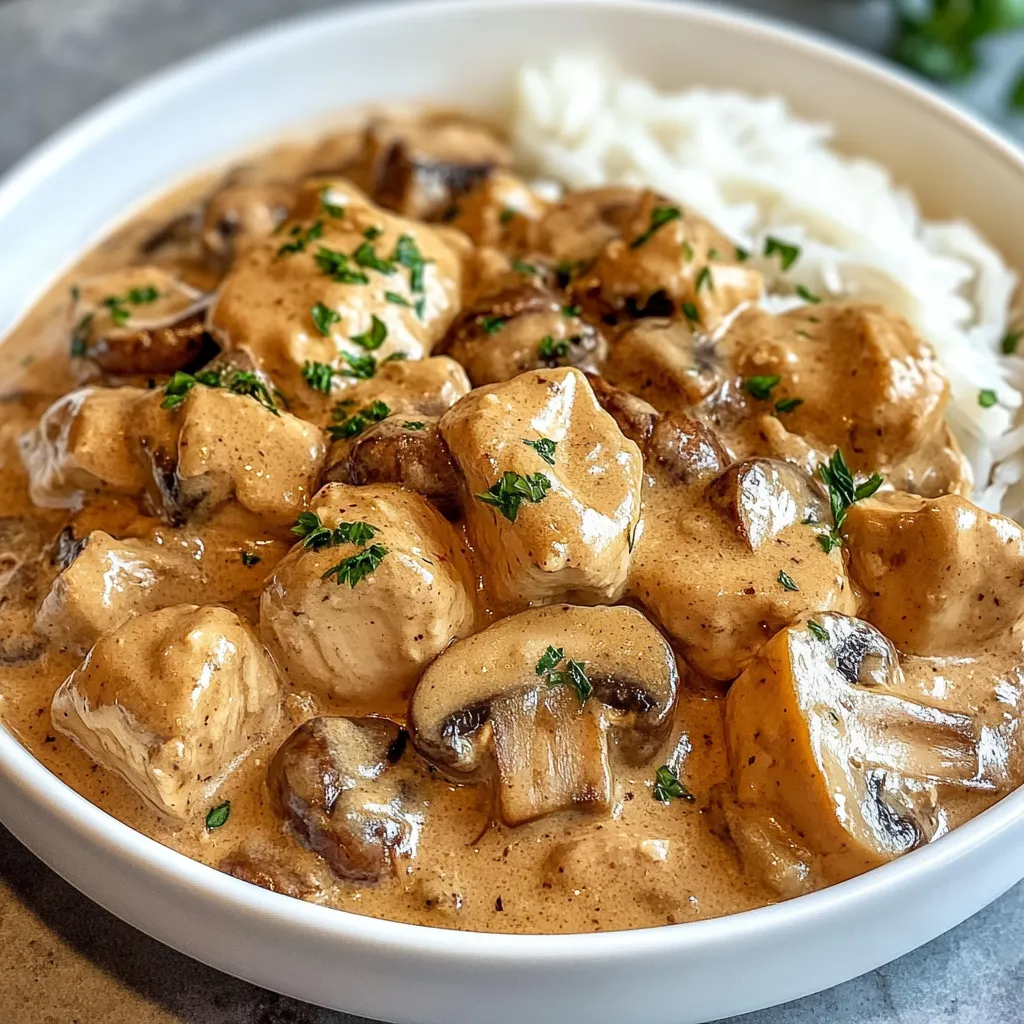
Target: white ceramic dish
{"x":68,"y":192}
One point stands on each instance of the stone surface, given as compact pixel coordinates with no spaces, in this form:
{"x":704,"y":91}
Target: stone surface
{"x":65,"y":960}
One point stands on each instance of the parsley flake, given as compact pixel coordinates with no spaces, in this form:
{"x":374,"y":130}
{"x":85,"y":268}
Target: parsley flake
{"x":522,"y":267}
{"x":508,"y":493}
{"x":788,"y":254}
{"x":323,"y":316}
{"x":491,"y":324}
{"x":690,"y":311}
{"x":358,"y":566}
{"x":366,"y":256}
{"x":660,"y":216}
{"x":331,"y":209}
{"x":807,"y":295}
{"x":987,"y":398}
{"x":218,"y":816}
{"x":545,"y":448}
{"x":818,"y":631}
{"x":668,"y":787}
{"x":414,"y":424}
{"x":359,"y":367}
{"x":372,"y":339}
{"x":787,"y":581}
{"x":704,"y":278}
{"x":300,"y":238}
{"x":337,"y":266}
{"x":788,"y":404}
{"x":1010,"y":342}
{"x":843,"y":491}
{"x":318,"y":376}
{"x":551,"y":351}
{"x":761,"y":386}
{"x":353,"y":425}
{"x":408,"y":255}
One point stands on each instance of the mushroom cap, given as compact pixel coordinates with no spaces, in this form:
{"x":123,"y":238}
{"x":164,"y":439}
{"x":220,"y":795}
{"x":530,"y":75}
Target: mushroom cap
{"x":821,"y":738}
{"x":631,"y":667}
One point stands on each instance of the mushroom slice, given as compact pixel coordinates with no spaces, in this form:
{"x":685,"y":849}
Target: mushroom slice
{"x":242,"y":213}
{"x":821,"y":738}
{"x":764,"y":496}
{"x":635,"y":417}
{"x":261,"y":864}
{"x":359,"y":610}
{"x":337,"y":785}
{"x":420,"y":170}
{"x":669,"y":363}
{"x":410,"y":453}
{"x":522,"y":328}
{"x":535,"y":699}
{"x":138,"y":321}
{"x":940,"y":576}
{"x":684,"y":450}
{"x":172,"y":701}
{"x":23,"y":542}
{"x":552,"y":488}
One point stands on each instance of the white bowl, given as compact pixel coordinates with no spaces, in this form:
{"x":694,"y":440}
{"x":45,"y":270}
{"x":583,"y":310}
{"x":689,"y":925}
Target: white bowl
{"x":68,"y":193}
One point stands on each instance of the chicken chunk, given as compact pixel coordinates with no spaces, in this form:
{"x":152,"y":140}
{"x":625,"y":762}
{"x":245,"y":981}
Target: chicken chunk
{"x":940,"y":576}
{"x":233,"y":446}
{"x":344,"y":284}
{"x":376,"y":590}
{"x":415,"y":386}
{"x":523,"y":328}
{"x":552,"y":488}
{"x":242,"y":213}
{"x":172,"y":702}
{"x":500,"y":211}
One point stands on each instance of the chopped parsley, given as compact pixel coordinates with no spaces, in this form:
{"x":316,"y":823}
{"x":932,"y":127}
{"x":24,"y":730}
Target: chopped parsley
{"x":218,"y":816}
{"x":491,"y":324}
{"x":522,"y":267}
{"x":400,"y":300}
{"x":366,"y":256}
{"x":742,"y":255}
{"x":397,"y":357}
{"x":413,"y":424}
{"x":660,"y":216}
{"x":690,"y":311}
{"x":331,"y":209}
{"x":551,"y":351}
{"x":323,"y":316}
{"x":545,"y":448}
{"x":668,"y":787}
{"x":787,"y":581}
{"x":704,"y":278}
{"x":118,"y":304}
{"x":550,"y":660}
{"x":408,"y":255}
{"x":574,"y":673}
{"x":178,"y":387}
{"x":338,"y":267}
{"x":571,"y":311}
{"x":507,"y":214}
{"x":358,"y":566}
{"x":318,"y":376}
{"x":245,"y":382}
{"x":80,"y":335}
{"x":349,"y":426}
{"x":249,"y":559}
{"x":843,"y":491}
{"x":761,"y":386}
{"x":807,"y":295}
{"x":818,"y":631}
{"x":300,"y":238}
{"x":1010,"y":342}
{"x":315,"y":535}
{"x":566,"y":270}
{"x":512,"y":490}
{"x":360,"y":367}
{"x":788,"y":254}
{"x":788,"y":404}
{"x":987,"y":398}
{"x":688,"y":252}
{"x":372,"y":339}
{"x":371,"y":234}
{"x":631,"y":535}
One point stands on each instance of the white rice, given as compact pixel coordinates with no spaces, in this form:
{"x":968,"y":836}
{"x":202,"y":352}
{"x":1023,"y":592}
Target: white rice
{"x":754,"y":169}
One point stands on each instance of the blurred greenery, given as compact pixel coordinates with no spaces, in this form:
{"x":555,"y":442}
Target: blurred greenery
{"x":941,"y":39}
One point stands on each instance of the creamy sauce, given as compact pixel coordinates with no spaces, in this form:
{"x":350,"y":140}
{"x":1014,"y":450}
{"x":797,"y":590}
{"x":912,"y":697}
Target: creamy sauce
{"x":642,"y":863}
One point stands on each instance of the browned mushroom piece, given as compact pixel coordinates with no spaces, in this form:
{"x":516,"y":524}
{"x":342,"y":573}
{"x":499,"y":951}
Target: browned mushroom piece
{"x":264,"y":866}
{"x":242,"y":213}
{"x":524,"y":327}
{"x":764,"y":496}
{"x":635,"y":417}
{"x":532,"y":700}
{"x":400,"y":450}
{"x":670,"y":363}
{"x":141,"y":321}
{"x":23,"y":542}
{"x":337,"y":784}
{"x":419,"y":169}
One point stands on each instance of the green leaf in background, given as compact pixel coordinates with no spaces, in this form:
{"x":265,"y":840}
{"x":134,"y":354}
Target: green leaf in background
{"x":1017,"y":95}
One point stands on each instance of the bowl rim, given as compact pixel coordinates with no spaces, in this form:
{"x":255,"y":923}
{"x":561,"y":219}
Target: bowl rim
{"x":230,"y":895}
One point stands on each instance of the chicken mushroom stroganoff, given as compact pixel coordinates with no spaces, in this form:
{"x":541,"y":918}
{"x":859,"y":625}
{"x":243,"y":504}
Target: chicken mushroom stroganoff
{"x":388,"y":531}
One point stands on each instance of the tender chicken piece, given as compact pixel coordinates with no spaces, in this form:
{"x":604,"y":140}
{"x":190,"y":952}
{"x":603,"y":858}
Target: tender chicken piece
{"x":358,"y":619}
{"x":344,"y":284}
{"x":420,"y":169}
{"x":242,"y":213}
{"x":538,"y":699}
{"x":425,"y":387}
{"x":666,"y":260}
{"x":110,"y":581}
{"x":867,"y":383}
{"x":233,"y":445}
{"x":576,"y":230}
{"x":725,"y":565}
{"x":665,"y":362}
{"x":139,"y":321}
{"x":939,"y":576}
{"x":500,"y":211}
{"x":822,"y":741}
{"x":551,"y":488}
{"x":410,"y":453}
{"x":98,"y":440}
{"x":346,"y":792}
{"x":172,"y":701}
{"x":523,"y":328}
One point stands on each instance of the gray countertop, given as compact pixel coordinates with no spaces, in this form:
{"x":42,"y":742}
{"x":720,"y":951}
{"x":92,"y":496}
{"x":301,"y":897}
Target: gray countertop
{"x":65,"y":960}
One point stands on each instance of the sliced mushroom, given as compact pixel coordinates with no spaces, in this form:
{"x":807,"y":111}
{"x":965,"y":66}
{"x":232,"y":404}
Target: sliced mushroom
{"x":635,"y":417}
{"x":940,"y":576}
{"x":821,"y":738}
{"x":23,"y":542}
{"x":410,"y":453}
{"x":338,"y":785}
{"x":141,"y":321}
{"x":522,"y":328}
{"x":764,"y":496}
{"x":668,"y":363}
{"x":502,"y":703}
{"x":173,"y":702}
{"x":242,"y":213}
{"x":684,"y":450}
{"x":262,"y":865}
{"x":420,"y":170}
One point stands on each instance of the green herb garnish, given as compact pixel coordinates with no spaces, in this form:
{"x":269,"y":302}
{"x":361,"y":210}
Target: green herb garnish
{"x":366,"y":256}
{"x":788,"y":254}
{"x":407,"y":254}
{"x":323,"y":316}
{"x":787,"y":581}
{"x":245,"y":382}
{"x":178,"y":387}
{"x":574,"y":673}
{"x":349,"y":426}
{"x":788,"y":404}
{"x":356,"y":567}
{"x":318,"y":376}
{"x":331,"y":209}
{"x":987,"y":398}
{"x":704,"y":278}
{"x":512,"y":490}
{"x":668,"y":787}
{"x":660,"y":216}
{"x":761,"y":386}
{"x":491,"y":324}
{"x":550,"y":350}
{"x":337,"y":266}
{"x":843,"y":491}
{"x":522,"y":267}
{"x":690,"y":311}
{"x":545,"y":448}
{"x":372,"y":339}
{"x":359,"y":367}
{"x":818,"y":631}
{"x":507,"y":214}
{"x":218,"y":815}
{"x":300,"y":238}
{"x":549,"y":660}
{"x":807,"y":295}
{"x":414,"y":424}
{"x":1010,"y":342}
